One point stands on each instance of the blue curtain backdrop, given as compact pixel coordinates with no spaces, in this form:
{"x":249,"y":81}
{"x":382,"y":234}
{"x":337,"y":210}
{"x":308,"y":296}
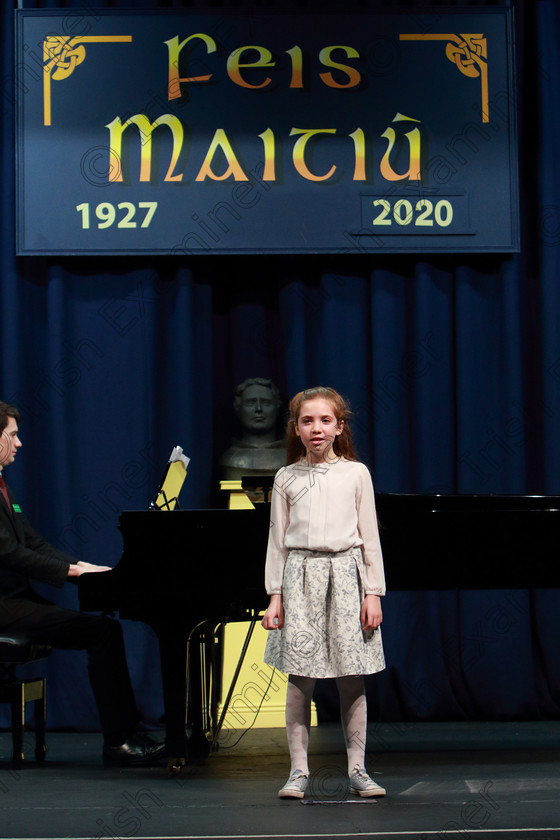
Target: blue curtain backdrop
{"x":451,"y":364}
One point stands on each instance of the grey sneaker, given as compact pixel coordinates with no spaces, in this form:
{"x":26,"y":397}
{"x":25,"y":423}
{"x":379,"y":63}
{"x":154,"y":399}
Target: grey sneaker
{"x":363,"y":785}
{"x":295,"y":786}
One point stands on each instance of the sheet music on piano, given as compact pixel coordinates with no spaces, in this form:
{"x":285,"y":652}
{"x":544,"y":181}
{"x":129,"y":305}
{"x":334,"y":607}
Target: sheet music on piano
{"x":166,"y":496}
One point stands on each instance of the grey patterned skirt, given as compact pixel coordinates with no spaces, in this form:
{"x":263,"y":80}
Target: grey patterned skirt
{"x":322,"y":635}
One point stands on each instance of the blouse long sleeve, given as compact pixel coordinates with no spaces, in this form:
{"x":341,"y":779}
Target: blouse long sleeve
{"x":276,"y":550}
{"x":369,"y":532}
{"x":326,"y":507}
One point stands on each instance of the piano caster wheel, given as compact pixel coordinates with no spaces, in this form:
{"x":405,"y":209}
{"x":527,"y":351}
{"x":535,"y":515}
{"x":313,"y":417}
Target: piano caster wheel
{"x":175,"y":766}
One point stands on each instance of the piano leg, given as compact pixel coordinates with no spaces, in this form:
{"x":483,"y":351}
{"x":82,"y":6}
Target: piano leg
{"x":177,"y":654}
{"x":173,"y":653}
{"x":199,"y":683}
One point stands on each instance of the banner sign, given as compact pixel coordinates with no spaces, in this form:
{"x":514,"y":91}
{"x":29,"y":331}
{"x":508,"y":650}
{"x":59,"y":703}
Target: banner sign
{"x":273,"y":133}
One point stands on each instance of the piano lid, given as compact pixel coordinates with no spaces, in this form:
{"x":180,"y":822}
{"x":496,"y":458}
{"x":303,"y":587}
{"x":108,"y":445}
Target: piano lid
{"x":469,"y":541}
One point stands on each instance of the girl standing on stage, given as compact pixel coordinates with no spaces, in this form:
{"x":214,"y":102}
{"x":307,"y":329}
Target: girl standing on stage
{"x":324,"y":575}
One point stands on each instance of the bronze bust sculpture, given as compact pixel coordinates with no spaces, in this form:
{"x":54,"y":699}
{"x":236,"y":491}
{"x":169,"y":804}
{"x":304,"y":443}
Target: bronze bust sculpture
{"x":257,"y":451}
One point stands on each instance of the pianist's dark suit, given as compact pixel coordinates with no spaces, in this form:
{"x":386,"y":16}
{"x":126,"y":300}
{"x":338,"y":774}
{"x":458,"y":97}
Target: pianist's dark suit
{"x":25,"y":556}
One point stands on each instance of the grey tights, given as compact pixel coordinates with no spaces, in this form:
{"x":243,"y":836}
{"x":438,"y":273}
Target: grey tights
{"x":353,"y":712}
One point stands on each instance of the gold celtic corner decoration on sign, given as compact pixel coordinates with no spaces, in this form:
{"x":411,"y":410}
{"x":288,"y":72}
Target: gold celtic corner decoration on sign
{"x":61,"y":56}
{"x":469,"y":54}
{"x":220,"y":132}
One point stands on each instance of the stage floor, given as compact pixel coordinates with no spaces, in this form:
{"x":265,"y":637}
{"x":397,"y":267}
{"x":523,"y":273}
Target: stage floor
{"x":481,"y":780}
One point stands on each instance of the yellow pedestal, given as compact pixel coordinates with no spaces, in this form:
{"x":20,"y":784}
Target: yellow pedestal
{"x":259,"y":697}
{"x":259,"y":687}
{"x":238,"y":498}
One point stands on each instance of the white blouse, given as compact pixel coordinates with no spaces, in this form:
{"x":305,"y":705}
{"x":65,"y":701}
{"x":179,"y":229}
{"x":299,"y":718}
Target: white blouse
{"x":326,"y":507}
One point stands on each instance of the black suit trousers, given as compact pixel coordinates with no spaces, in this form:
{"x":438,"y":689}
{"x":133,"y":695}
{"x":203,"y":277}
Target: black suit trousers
{"x":102,"y":638}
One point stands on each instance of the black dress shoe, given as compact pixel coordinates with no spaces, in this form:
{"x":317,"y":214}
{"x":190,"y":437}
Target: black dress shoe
{"x":138,"y":749}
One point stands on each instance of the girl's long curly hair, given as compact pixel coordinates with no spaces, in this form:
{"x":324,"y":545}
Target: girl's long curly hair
{"x":342,"y":446}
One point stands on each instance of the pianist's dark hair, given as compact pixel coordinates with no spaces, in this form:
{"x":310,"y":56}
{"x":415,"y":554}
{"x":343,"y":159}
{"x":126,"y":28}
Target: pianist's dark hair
{"x":343,"y":445}
{"x":7,"y":411}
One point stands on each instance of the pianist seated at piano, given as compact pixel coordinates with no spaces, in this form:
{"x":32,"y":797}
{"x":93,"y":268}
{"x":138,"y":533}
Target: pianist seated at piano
{"x":24,"y":557}
{"x":257,"y":450}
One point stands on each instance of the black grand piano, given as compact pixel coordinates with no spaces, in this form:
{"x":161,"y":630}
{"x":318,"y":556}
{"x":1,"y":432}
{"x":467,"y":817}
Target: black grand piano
{"x":183,"y":574}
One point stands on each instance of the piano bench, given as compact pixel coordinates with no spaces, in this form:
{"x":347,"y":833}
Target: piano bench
{"x":17,"y":649}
